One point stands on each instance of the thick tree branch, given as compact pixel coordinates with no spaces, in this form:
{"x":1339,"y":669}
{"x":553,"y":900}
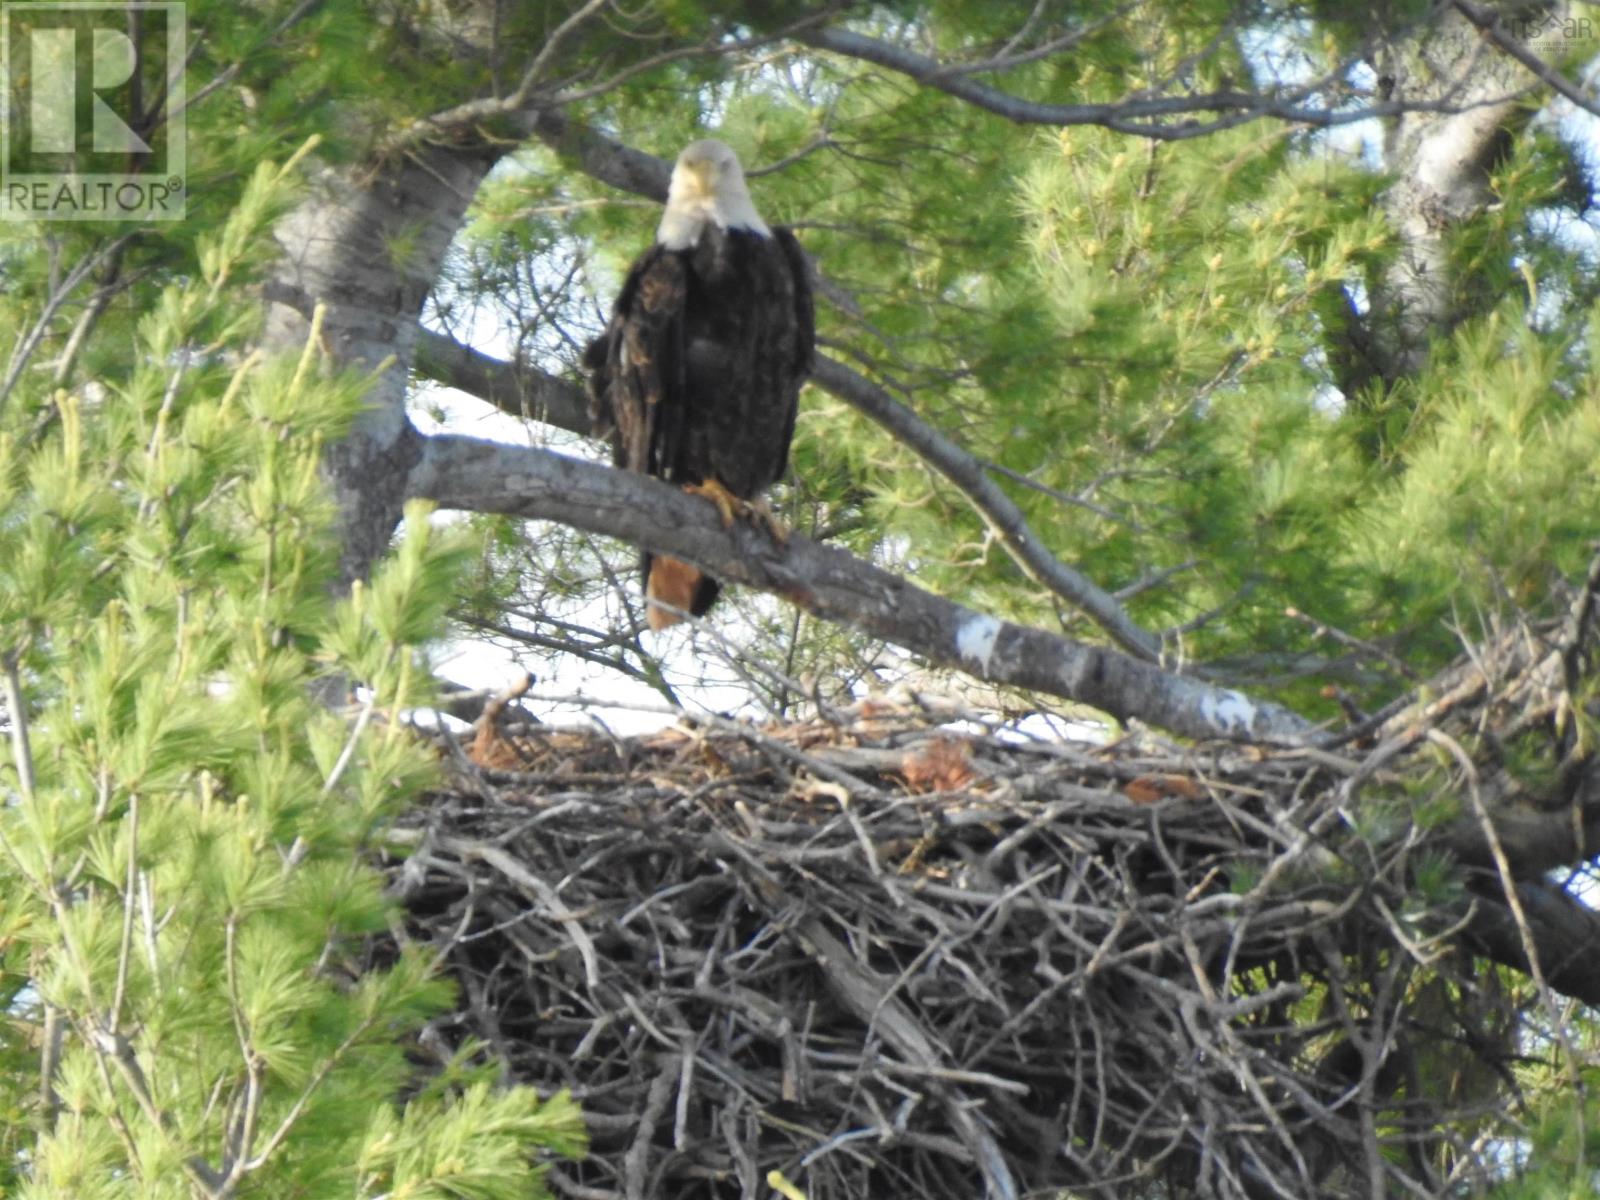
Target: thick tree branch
{"x":1565,"y":935}
{"x":526,"y":391}
{"x":1535,"y":841}
{"x":482,"y":476}
{"x":600,"y":157}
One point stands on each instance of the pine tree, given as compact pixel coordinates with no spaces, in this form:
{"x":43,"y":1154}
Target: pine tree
{"x":187,"y":854}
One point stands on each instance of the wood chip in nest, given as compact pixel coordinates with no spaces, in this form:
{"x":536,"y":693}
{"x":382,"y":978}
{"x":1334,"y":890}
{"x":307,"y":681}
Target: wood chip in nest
{"x":494,"y":751}
{"x":490,"y":747}
{"x":942,"y":764}
{"x":1148,"y":789}
{"x":687,"y":756}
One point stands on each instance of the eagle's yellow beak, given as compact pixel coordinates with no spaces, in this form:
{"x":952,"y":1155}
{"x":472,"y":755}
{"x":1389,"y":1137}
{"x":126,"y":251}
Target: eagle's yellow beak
{"x":700,"y":171}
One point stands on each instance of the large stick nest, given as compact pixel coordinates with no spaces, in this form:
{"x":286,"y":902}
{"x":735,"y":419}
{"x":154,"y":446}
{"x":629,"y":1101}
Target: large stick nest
{"x":898,"y":956}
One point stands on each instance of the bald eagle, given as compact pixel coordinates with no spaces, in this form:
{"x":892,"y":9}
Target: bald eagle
{"x":698,"y":373}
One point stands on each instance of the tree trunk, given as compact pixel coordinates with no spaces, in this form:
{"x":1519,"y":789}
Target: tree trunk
{"x":1442,"y":163}
{"x":368,"y":244}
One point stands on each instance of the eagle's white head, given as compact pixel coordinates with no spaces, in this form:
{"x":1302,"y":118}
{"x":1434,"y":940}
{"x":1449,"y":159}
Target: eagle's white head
{"x":707,"y":185}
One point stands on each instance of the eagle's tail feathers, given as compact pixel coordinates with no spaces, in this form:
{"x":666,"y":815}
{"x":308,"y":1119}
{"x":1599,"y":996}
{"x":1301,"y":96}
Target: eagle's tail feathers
{"x":673,"y":583}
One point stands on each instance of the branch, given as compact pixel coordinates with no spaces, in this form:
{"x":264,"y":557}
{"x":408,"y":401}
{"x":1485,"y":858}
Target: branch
{"x":600,"y":157}
{"x":1564,"y":931}
{"x":997,"y":508}
{"x":29,"y":343}
{"x":512,"y":387}
{"x":1488,"y":23}
{"x":1143,"y":117}
{"x":527,"y":391}
{"x":1534,"y":841}
{"x":481,"y":476}
{"x":535,"y":98}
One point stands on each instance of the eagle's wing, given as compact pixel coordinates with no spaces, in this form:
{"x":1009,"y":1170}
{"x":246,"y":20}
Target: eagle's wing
{"x":637,"y":385}
{"x":639,"y":388}
{"x":805,"y":332}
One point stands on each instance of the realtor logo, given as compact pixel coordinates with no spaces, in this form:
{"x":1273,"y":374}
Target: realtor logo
{"x":93,"y":125}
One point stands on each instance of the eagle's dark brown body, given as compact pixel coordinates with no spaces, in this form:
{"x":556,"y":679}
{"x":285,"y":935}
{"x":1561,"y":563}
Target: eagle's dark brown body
{"x":699,"y":372}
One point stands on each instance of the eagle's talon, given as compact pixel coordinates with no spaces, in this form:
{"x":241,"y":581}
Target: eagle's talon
{"x":728,"y":505}
{"x":732,"y":507}
{"x":761,"y":513}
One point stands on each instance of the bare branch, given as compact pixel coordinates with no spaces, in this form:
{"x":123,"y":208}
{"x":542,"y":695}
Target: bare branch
{"x":1488,"y":23}
{"x":1010,"y":55}
{"x":513,"y":387}
{"x":552,"y":43}
{"x":231,"y":72}
{"x":527,"y":391}
{"x":531,"y":102}
{"x":1144,"y":116}
{"x":482,"y":476}
{"x":998,"y":509}
{"x":29,"y":343}
{"x":716,"y":45}
{"x":612,"y":662}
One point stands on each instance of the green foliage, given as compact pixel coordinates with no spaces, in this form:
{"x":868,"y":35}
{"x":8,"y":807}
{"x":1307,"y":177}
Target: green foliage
{"x":184,"y":848}
{"x":1557,"y":1160}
